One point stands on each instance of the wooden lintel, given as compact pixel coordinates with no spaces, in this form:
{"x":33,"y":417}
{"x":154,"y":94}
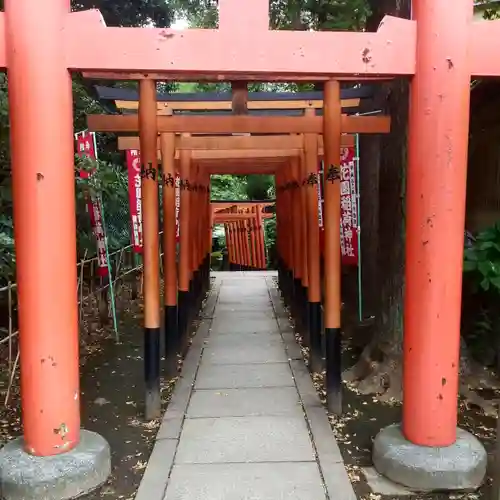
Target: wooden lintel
{"x":270,"y":54}
{"x":239,"y":124}
{"x":482,"y":63}
{"x":231,"y":217}
{"x":245,"y":205}
{"x":222,"y":77}
{"x":238,"y":144}
{"x":226,"y":105}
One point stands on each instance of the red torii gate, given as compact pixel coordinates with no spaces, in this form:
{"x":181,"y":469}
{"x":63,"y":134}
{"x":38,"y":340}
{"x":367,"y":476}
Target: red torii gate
{"x":41,"y":41}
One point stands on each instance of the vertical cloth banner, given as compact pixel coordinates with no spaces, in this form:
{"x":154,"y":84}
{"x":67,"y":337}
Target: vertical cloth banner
{"x":177,"y":206}
{"x":349,"y":220}
{"x":321,"y":201}
{"x":86,"y":146}
{"x":135,"y":197}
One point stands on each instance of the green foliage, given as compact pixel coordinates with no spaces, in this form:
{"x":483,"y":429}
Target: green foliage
{"x":259,"y":186}
{"x":109,"y":184}
{"x":482,"y":260}
{"x":491,"y":13}
{"x":129,"y":12}
{"x":286,"y":14}
{"x":270,"y":240}
{"x":228,"y":187}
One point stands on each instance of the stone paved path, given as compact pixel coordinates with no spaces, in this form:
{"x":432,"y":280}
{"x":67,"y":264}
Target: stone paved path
{"x":245,"y":422}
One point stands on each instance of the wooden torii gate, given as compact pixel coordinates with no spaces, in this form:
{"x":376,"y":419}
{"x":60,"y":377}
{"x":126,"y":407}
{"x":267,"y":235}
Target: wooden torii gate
{"x":308,"y":146}
{"x":246,"y":251}
{"x":439,"y":49}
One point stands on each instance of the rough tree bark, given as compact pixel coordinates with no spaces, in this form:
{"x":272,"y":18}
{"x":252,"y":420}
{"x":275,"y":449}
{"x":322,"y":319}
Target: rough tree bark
{"x":379,"y":369}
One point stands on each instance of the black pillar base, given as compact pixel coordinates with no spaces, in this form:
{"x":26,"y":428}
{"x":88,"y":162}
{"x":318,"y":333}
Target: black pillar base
{"x":333,"y":370}
{"x":296,"y":299}
{"x":172,"y":339}
{"x":303,"y":315}
{"x":196,"y":292}
{"x":183,"y":305}
{"x":315,"y":353}
{"x":152,"y":373}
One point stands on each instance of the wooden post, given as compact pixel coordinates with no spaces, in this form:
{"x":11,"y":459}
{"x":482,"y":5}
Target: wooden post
{"x":435,"y":218}
{"x":44,"y":204}
{"x":167,"y":143}
{"x":149,"y":159}
{"x":260,"y":238}
{"x":298,"y":242}
{"x":185,"y":241}
{"x":230,"y":246}
{"x":304,"y":323}
{"x":253,"y":239}
{"x":331,"y":215}
{"x":313,"y":254}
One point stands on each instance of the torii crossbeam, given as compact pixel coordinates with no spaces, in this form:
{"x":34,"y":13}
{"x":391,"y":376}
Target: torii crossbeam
{"x":439,"y":49}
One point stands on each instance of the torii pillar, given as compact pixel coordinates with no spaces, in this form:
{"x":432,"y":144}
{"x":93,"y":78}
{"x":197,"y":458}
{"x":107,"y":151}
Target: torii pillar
{"x":428,"y":451}
{"x":41,"y":117}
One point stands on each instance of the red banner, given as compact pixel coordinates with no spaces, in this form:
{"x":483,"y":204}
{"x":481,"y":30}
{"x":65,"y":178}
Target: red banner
{"x":177,"y":206}
{"x":349,"y":222}
{"x":86,"y":146}
{"x":135,"y":197}
{"x":321,"y":201}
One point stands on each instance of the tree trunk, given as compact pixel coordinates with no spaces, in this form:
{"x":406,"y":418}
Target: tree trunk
{"x":369,"y":185}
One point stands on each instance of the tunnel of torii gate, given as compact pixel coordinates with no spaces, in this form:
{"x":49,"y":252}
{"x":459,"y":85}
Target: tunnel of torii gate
{"x":438,"y":50}
{"x":243,"y":232}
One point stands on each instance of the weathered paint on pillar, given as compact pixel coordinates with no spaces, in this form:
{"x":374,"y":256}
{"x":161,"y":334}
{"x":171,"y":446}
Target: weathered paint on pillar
{"x":184,"y":268}
{"x":436,"y":186}
{"x":43,"y":186}
{"x":151,"y":241}
{"x":260,"y":238}
{"x":332,"y":140}
{"x":313,"y":251}
{"x":171,"y":333}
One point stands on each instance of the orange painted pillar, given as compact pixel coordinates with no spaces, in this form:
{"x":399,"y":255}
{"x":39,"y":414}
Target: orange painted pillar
{"x":167,"y":144}
{"x":228,"y":245}
{"x":246,"y":234}
{"x":296,"y":216}
{"x":313,"y":251}
{"x":436,"y":187}
{"x":185,"y":242}
{"x":260,"y":238}
{"x":253,"y":235}
{"x":241,"y":241}
{"x":148,"y":136}
{"x":195,"y":242}
{"x":43,"y":186}
{"x":302,"y":198}
{"x":332,"y":113}
{"x":236,"y":247}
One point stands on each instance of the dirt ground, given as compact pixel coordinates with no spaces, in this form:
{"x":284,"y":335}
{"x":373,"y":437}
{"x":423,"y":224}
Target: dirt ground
{"x":111,"y":394}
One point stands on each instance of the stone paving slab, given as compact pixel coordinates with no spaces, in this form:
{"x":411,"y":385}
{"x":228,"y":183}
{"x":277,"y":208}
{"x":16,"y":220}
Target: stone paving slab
{"x":253,"y":427}
{"x":243,"y":307}
{"x":248,"y":339}
{"x":238,"y":326}
{"x":243,"y":376}
{"x":231,"y":315}
{"x":260,"y":481}
{"x":244,"y":353}
{"x":244,"y":402}
{"x":244,"y":439}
